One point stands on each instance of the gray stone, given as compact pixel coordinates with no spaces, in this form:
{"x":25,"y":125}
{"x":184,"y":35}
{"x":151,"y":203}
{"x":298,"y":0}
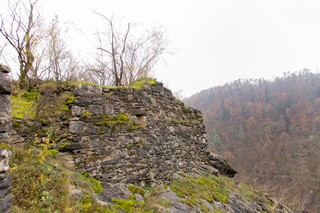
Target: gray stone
{"x":221,"y":164}
{"x":5,"y":106}
{"x":6,"y":197}
{"x":76,"y":110}
{"x":77,"y":127}
{"x":208,"y":205}
{"x":4,"y":68}
{"x":88,"y":90}
{"x":142,"y":152}
{"x":118,"y":191}
{"x":5,"y":85}
{"x":139,"y":197}
{"x":107,"y":109}
{"x":4,"y":158}
{"x":5,"y":125}
{"x":96,"y":109}
{"x":6,"y":204}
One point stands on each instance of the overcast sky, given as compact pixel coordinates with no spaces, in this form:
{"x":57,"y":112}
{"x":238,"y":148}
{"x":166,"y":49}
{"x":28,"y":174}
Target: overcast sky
{"x":215,"y":41}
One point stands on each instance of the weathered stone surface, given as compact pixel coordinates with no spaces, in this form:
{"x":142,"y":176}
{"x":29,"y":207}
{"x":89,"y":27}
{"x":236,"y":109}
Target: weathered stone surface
{"x":222,"y":165}
{"x":6,"y":197}
{"x":4,"y":68}
{"x":5,"y":84}
{"x":118,"y":191}
{"x":162,"y":136}
{"x":76,"y":110}
{"x":95,"y":109}
{"x":4,"y":158}
{"x":88,"y":90}
{"x":77,"y":127}
{"x":5,"y":103}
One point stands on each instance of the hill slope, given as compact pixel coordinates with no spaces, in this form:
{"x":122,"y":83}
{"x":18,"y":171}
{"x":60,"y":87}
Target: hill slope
{"x":86,"y":148}
{"x":269,"y":130}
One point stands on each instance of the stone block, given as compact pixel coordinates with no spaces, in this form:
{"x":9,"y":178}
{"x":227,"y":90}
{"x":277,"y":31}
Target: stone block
{"x":5,"y":85}
{"x":77,"y":127}
{"x":96,"y":109}
{"x":76,"y":110}
{"x":88,"y":90}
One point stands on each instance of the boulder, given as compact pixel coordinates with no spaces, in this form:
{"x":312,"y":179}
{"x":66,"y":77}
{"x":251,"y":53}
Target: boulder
{"x":221,"y":164}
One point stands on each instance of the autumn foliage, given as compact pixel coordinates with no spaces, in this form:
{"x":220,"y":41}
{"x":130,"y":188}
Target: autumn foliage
{"x":270,"y":132}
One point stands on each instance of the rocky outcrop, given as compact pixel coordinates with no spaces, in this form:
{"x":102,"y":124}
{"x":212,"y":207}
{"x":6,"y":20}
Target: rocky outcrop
{"x":6,"y":198}
{"x":222,"y":165}
{"x":5,"y":104}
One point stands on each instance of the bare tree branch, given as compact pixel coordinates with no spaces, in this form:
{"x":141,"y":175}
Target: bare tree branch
{"x":127,"y":57}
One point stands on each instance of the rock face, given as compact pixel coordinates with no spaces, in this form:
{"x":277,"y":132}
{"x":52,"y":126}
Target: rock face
{"x":6,"y":198}
{"x":132,"y":135}
{"x":222,"y":165}
{"x":5,"y":104}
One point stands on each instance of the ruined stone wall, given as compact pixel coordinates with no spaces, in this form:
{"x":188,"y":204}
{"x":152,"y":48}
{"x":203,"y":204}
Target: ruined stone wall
{"x":130,"y":135}
{"x":5,"y":104}
{"x":6,"y":197}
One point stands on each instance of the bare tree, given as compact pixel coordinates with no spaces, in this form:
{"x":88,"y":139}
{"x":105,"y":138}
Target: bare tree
{"x":61,"y":64}
{"x":21,"y":30}
{"x":125,"y":57}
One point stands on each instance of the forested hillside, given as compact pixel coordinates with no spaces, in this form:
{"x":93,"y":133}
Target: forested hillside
{"x":270,"y":132}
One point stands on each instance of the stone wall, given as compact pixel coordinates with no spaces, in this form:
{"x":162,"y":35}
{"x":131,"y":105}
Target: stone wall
{"x":6,"y":197}
{"x":5,"y":104}
{"x":130,"y":135}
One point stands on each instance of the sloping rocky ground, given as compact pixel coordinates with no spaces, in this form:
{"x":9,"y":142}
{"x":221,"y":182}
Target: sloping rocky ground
{"x":190,"y":193}
{"x":146,"y":148}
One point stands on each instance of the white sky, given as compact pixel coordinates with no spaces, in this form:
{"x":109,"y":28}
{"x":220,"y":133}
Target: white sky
{"x":215,"y":41}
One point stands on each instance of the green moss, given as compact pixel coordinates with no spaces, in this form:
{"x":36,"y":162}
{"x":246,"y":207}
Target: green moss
{"x":248,"y":192}
{"x":48,"y":86}
{"x":16,"y":124}
{"x":117,"y":121}
{"x":207,"y":187}
{"x":96,"y":185}
{"x":30,"y":96}
{"x":64,"y":108}
{"x":85,"y":83}
{"x":138,"y":84}
{"x":125,"y":205}
{"x":86,"y":114}
{"x":136,"y":190}
{"x":5,"y":146}
{"x":141,"y":82}
{"x":52,"y":152}
{"x":22,"y":107}
{"x":70,"y":100}
{"x":164,"y":203}
{"x":124,"y":118}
